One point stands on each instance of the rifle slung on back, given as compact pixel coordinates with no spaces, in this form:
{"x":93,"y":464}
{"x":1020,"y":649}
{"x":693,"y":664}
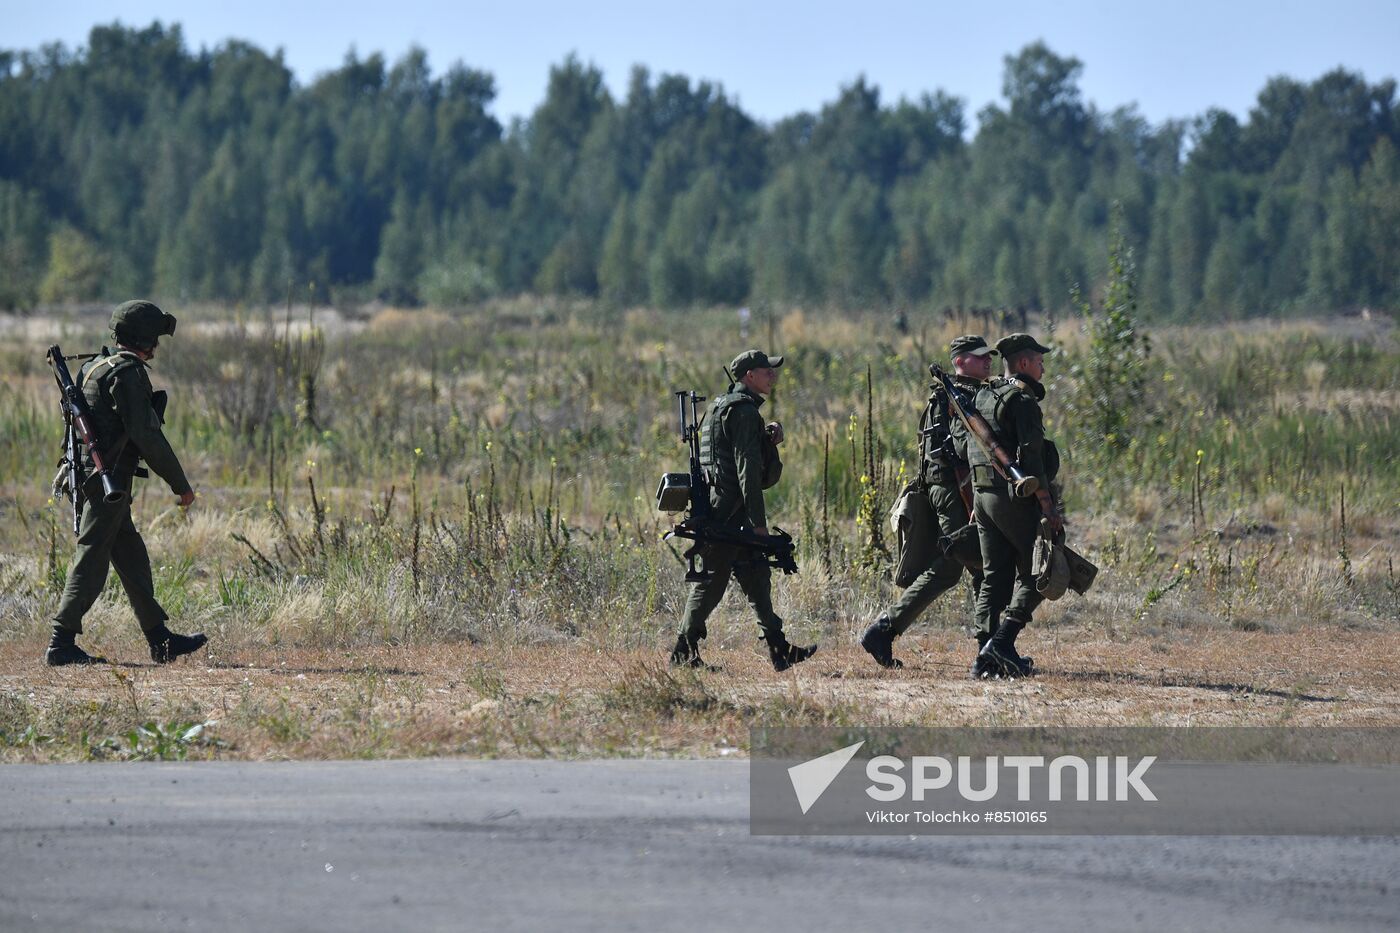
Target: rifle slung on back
{"x":78,"y":427}
{"x":1023,"y":485}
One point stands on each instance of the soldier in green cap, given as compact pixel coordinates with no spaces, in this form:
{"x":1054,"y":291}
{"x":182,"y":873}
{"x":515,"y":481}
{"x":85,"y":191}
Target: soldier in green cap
{"x":128,"y":424}
{"x":943,"y":465}
{"x":1007,"y":525}
{"x":739,"y":455}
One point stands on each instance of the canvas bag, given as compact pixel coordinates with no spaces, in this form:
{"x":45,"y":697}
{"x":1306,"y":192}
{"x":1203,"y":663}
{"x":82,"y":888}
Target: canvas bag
{"x":915,"y":527}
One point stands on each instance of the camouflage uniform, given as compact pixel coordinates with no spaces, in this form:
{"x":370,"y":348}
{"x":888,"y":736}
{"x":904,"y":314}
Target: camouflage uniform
{"x":126,"y":422}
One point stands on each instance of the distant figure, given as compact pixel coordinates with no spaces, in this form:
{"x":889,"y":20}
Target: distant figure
{"x":128,"y":424}
{"x":744,"y":316}
{"x":901,"y":323}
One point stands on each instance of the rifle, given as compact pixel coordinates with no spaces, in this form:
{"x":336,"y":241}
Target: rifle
{"x":1022,"y":484}
{"x":961,"y":473}
{"x":678,"y":491}
{"x":962,"y":545}
{"x":77,"y":423}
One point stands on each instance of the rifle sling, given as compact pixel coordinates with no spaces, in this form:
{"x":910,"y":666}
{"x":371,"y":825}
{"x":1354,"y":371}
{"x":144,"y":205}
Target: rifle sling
{"x":119,"y":446}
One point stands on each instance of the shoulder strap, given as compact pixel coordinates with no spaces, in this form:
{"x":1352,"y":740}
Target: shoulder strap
{"x":1007,"y":392}
{"x":728,"y":401}
{"x":114,"y":362}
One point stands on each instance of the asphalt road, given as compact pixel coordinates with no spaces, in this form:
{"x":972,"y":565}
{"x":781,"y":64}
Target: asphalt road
{"x":616,"y":845}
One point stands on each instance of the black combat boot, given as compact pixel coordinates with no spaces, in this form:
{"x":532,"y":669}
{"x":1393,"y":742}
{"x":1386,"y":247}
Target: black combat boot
{"x":686,"y":653}
{"x":998,"y":656}
{"x":984,"y":666}
{"x":166,"y":645}
{"x":980,"y":664}
{"x":878,"y":640}
{"x":63,"y":649}
{"x":784,"y":655}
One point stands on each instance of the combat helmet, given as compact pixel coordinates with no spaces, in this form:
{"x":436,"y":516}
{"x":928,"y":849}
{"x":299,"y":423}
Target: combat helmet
{"x":139,"y":323}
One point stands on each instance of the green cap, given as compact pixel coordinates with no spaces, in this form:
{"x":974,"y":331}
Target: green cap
{"x":753,"y":359}
{"x":970,"y":343}
{"x":1015,"y":343}
{"x":141,"y":323}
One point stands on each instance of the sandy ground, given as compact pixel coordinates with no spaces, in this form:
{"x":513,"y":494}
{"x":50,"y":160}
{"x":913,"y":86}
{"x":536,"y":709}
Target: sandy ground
{"x":580,"y":700}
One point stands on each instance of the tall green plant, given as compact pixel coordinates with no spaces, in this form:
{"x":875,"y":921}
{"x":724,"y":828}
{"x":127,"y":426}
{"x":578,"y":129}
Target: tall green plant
{"x":1110,"y":380}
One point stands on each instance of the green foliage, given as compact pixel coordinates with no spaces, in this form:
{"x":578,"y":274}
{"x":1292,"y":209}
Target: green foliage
{"x":156,"y":741}
{"x":137,"y":166}
{"x":398,"y":270}
{"x":1110,"y":378}
{"x":77,"y":267}
{"x":23,"y":245}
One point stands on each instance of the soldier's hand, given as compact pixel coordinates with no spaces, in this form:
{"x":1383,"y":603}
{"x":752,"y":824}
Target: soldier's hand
{"x":761,"y":531}
{"x":1057,"y":524}
{"x":186,"y":499}
{"x":774,"y":431}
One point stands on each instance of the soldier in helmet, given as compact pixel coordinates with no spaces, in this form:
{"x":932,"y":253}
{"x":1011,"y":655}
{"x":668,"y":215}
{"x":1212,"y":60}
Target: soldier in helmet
{"x":128,"y":424}
{"x":943,"y":453}
{"x":739,"y":454}
{"x":1007,"y":525}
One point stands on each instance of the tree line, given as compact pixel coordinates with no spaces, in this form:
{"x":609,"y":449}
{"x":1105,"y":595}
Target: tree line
{"x":137,"y":166}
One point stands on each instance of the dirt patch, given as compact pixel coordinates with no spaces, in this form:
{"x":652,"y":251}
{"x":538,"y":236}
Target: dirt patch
{"x":575,"y":700}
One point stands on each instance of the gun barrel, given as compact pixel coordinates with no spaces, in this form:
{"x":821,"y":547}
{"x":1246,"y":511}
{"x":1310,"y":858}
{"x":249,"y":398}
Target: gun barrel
{"x":1022,"y":483}
{"x":777,"y":549}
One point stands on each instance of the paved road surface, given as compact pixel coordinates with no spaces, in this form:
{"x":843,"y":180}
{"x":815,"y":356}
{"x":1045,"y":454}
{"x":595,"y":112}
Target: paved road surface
{"x":617,"y":845}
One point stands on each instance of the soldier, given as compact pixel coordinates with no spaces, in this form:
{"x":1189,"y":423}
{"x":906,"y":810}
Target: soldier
{"x":943,"y":456}
{"x":1007,"y":525}
{"x":739,"y":455}
{"x":126,"y":421}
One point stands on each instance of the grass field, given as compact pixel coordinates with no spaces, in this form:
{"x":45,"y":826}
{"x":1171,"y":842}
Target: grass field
{"x":423,"y":533}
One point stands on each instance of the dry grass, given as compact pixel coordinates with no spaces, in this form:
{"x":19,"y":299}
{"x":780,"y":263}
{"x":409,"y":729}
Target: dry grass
{"x":583,"y":701}
{"x":480,"y":573}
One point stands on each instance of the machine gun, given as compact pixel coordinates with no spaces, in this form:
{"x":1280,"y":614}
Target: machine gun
{"x":77,"y":424}
{"x":679,"y":492}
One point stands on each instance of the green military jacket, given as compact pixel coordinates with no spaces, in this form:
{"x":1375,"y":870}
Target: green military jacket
{"x":118,"y":390}
{"x":1011,"y":408}
{"x":940,"y":465}
{"x":738,"y":458}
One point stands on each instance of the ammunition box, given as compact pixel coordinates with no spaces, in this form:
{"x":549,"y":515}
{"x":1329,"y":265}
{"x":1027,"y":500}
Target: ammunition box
{"x":673,"y":493}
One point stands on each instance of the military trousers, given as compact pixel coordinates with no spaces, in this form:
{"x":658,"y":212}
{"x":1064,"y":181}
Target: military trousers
{"x":1006,"y":528}
{"x":108,"y":537}
{"x":723,"y":561}
{"x":944,"y":573}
